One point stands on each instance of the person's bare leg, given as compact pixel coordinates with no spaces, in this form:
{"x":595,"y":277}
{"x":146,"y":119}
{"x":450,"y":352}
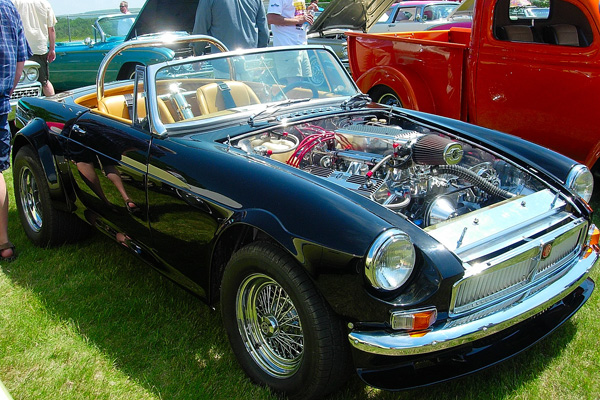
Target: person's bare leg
{"x":4,"y":217}
{"x":112,"y":173}
{"x":48,"y":89}
{"x":89,"y":174}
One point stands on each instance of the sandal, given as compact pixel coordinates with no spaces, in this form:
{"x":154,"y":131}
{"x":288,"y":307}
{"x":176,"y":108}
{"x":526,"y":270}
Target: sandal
{"x":6,"y":246}
{"x":133,"y":209}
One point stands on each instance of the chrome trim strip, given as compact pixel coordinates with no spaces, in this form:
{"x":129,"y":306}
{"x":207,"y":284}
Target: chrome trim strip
{"x":440,"y":338}
{"x":522,"y":253}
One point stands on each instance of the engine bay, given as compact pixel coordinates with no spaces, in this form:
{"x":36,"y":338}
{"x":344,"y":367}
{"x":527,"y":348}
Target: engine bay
{"x":425,"y":174}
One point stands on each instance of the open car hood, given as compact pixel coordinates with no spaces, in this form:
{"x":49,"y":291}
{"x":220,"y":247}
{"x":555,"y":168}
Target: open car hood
{"x":355,"y":15}
{"x":164,"y":15}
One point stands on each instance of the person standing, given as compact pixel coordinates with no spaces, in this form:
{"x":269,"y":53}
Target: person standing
{"x":236,"y":23}
{"x":124,"y":24}
{"x":39,"y":21}
{"x":287,"y":18}
{"x":124,"y":7}
{"x":14,"y":51}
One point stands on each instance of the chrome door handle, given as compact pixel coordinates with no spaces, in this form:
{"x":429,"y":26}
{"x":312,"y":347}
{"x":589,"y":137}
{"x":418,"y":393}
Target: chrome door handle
{"x":78,"y":130}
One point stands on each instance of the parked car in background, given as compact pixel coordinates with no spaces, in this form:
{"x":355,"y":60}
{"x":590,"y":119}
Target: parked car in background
{"x":77,"y":63}
{"x":417,"y":16}
{"x":332,"y":232}
{"x":28,"y":86}
{"x":342,"y":16}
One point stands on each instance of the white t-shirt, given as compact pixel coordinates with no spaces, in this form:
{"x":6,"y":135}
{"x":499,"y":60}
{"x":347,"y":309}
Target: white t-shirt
{"x":287,"y":35}
{"x":37,"y":17}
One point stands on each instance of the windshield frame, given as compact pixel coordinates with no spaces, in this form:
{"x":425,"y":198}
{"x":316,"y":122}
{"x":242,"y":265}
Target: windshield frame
{"x":101,"y":24}
{"x":160,"y":128}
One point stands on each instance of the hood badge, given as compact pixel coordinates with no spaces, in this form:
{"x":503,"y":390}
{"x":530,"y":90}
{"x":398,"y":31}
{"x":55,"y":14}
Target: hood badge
{"x":546,"y":250}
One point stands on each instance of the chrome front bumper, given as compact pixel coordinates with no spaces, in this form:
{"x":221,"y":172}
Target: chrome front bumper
{"x":449,"y":336}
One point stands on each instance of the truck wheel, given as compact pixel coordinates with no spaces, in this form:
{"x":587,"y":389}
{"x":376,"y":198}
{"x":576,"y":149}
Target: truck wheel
{"x":385,"y":96}
{"x":281,"y":330}
{"x":43,"y":224}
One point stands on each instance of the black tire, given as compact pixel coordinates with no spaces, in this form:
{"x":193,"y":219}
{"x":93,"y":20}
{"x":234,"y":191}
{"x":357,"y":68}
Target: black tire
{"x":43,"y":224}
{"x":305,"y":358}
{"x":127,"y":72}
{"x":385,"y":95}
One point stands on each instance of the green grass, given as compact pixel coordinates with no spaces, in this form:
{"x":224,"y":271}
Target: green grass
{"x":89,"y":321}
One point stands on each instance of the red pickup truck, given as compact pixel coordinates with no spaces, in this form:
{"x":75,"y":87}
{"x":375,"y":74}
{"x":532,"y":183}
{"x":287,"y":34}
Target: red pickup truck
{"x":531,"y":72}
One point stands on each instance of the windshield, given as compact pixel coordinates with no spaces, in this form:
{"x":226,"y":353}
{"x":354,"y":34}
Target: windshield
{"x":435,"y":12}
{"x":116,"y":25}
{"x":199,"y":87}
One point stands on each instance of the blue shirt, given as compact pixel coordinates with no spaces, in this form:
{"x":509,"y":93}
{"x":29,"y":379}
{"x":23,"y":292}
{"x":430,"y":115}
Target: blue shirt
{"x":236,"y":23}
{"x":13,"y":49}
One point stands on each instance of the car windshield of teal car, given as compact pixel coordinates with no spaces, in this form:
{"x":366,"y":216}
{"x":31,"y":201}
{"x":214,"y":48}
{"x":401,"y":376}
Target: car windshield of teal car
{"x":116,"y":25}
{"x":232,"y":83}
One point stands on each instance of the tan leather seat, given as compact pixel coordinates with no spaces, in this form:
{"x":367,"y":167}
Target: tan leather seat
{"x":216,"y":97}
{"x":114,"y":105}
{"x":117,"y":106}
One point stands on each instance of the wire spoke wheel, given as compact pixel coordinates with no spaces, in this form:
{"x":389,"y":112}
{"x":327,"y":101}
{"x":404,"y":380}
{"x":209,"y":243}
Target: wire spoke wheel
{"x":30,"y":199}
{"x":269,"y":325}
{"x":281,"y":330}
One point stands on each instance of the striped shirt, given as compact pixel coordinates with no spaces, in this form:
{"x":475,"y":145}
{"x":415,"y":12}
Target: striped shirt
{"x":13,"y":49}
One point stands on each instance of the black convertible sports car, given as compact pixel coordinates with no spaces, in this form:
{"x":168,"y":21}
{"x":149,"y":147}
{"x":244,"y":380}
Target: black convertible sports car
{"x":334,"y":232}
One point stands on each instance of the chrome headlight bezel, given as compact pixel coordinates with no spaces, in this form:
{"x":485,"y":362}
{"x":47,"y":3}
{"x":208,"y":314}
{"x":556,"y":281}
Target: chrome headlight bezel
{"x":32,"y":73}
{"x":385,"y":270}
{"x":581,"y":182}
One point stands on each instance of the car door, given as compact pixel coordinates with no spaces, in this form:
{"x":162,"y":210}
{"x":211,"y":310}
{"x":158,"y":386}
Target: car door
{"x":108,"y":159}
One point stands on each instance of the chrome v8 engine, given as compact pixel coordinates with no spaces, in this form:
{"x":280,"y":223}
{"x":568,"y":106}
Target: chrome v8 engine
{"x":422,"y":174}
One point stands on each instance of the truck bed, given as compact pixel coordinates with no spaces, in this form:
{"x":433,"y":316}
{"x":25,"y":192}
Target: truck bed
{"x":432,"y":61}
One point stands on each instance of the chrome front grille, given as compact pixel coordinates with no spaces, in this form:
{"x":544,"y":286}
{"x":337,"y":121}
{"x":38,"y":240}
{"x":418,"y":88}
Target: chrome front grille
{"x":505,"y":278}
{"x":31,"y":91}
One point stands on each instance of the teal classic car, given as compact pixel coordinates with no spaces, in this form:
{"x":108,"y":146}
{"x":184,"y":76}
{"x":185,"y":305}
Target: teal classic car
{"x":77,"y":63}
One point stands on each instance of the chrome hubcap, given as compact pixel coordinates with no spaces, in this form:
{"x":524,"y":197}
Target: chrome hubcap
{"x":269,"y":325}
{"x":30,"y":200}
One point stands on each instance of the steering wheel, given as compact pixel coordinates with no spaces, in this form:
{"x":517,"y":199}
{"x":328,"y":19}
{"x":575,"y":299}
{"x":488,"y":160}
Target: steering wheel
{"x":313,"y":88}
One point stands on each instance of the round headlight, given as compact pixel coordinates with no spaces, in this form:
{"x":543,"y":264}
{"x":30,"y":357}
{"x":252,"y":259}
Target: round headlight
{"x":22,"y":78}
{"x":32,"y":74}
{"x":390,"y":260}
{"x":581,"y":181}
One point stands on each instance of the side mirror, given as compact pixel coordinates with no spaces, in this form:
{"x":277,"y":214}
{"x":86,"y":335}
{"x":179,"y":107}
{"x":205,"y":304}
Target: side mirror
{"x":88,"y":42}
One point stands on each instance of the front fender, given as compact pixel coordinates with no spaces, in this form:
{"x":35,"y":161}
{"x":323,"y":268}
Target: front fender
{"x":307,"y":253}
{"x":37,"y":136}
{"x":411,"y":89}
